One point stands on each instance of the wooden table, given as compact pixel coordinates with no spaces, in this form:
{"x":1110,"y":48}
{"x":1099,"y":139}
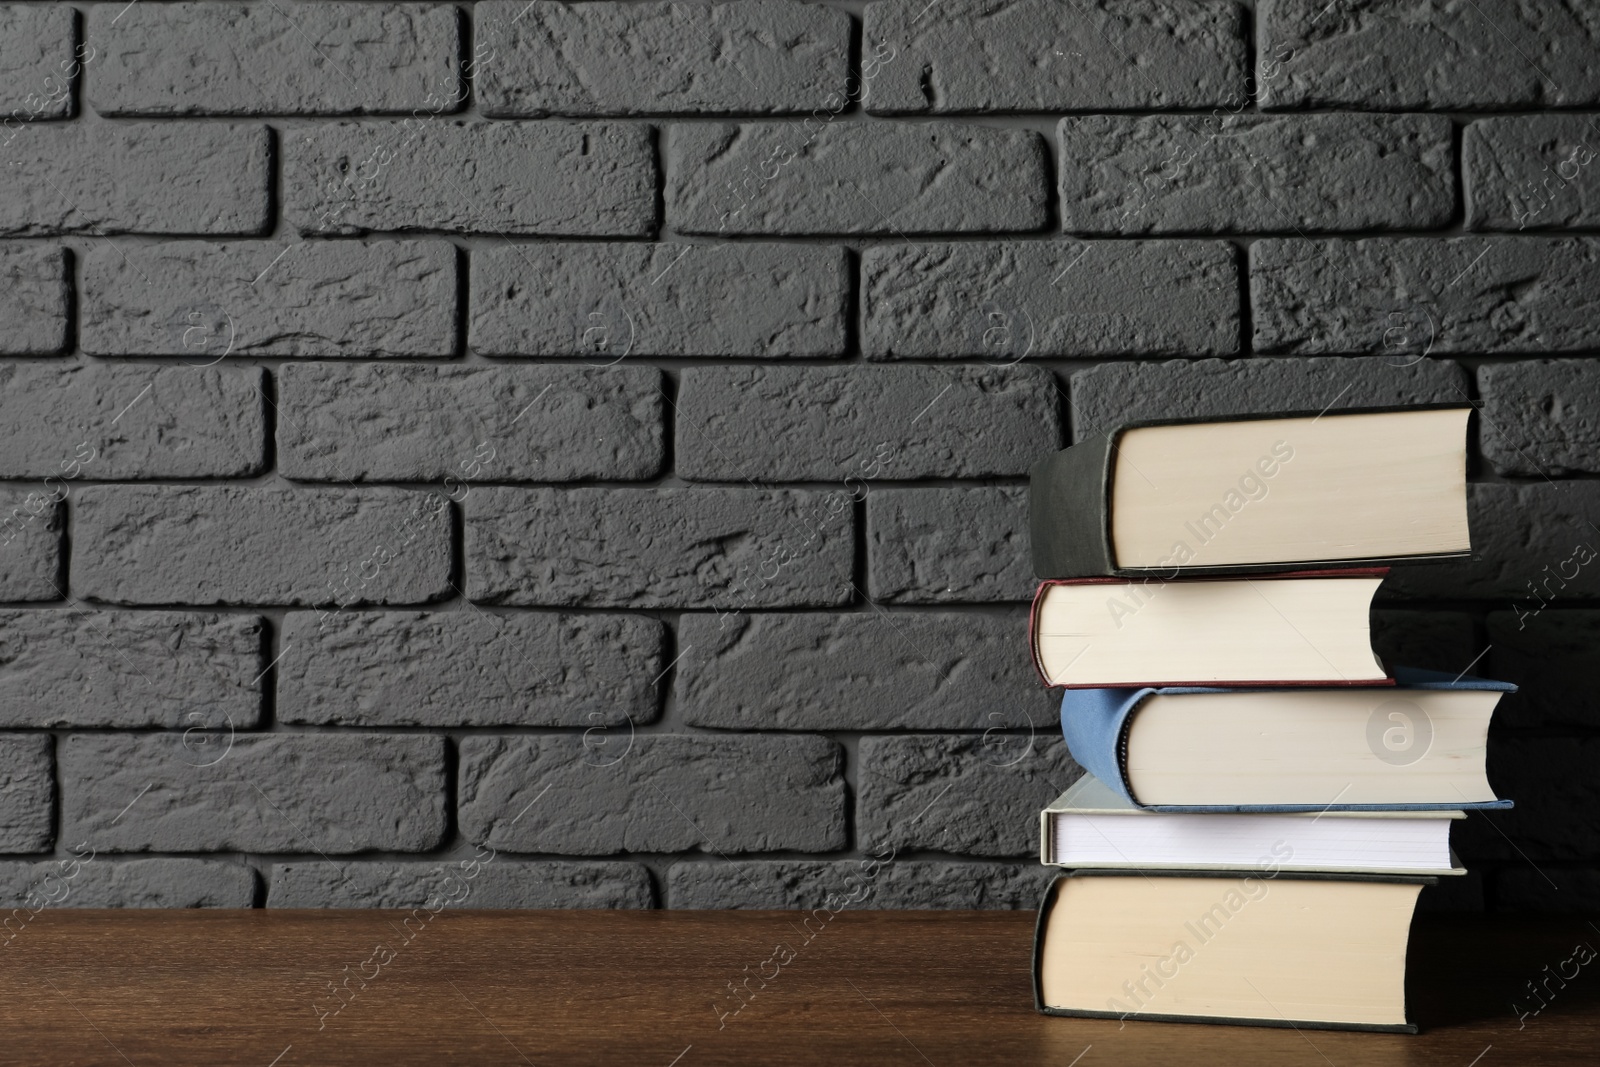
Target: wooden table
{"x":651,"y":989}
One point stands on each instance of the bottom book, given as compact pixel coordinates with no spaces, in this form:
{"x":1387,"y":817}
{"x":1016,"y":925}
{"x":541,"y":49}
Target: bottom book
{"x":1311,"y":950}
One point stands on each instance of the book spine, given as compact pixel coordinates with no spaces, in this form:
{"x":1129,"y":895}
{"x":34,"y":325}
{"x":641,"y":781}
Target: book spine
{"x":1033,"y":633}
{"x":1092,"y":724}
{"x":1068,"y":522}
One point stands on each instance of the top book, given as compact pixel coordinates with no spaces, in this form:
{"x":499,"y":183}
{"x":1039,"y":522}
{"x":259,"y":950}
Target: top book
{"x":1254,"y":495}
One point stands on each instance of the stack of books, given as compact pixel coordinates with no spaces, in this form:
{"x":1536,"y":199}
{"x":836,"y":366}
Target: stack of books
{"x":1265,"y":798}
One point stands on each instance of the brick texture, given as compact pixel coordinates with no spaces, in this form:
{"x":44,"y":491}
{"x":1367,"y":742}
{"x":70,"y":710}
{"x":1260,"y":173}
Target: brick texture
{"x":38,"y":63}
{"x":820,"y":424}
{"x":274,"y":58}
{"x":756,"y":57}
{"x":663,"y":793}
{"x":1111,"y":394}
{"x":178,"y":670}
{"x":27,"y":792}
{"x":857,"y":671}
{"x":75,"y":882}
{"x":826,"y":178}
{"x":208,"y":302}
{"x":974,"y":56}
{"x":1531,"y":172}
{"x":206,"y":545}
{"x":928,"y":546}
{"x":643,"y":548}
{"x":1047,"y":299}
{"x":469,"y":668}
{"x":33,"y":301}
{"x":1412,"y":298}
{"x":482,"y":879}
{"x":1255,"y":174}
{"x":961,"y":794}
{"x":1540,"y":417}
{"x":72,"y":420}
{"x":31,"y":523}
{"x":565,"y":179}
{"x":407,"y":423}
{"x":139,"y":178}
{"x":529,"y":455}
{"x":607,"y":303}
{"x":1405,"y":54}
{"x":333,"y":793}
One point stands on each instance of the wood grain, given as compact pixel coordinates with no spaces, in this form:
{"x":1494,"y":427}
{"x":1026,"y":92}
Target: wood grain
{"x":642,"y":988}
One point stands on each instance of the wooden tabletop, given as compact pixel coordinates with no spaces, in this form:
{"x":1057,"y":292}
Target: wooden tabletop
{"x":652,"y":989}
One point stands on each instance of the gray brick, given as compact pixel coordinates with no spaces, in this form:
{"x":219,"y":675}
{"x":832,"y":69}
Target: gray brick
{"x":136,"y":178}
{"x":978,"y":796}
{"x":608,"y":302}
{"x":1255,"y":173}
{"x":756,"y":57}
{"x":274,"y":58}
{"x":1551,"y":890}
{"x":33,"y":297}
{"x":234,"y":545}
{"x":854,"y":178}
{"x":1108,"y":396}
{"x":659,"y":548}
{"x":481,"y":880}
{"x":1415,"y":54}
{"x":92,"y":882}
{"x":937,"y":546}
{"x":1531,"y":541}
{"x":469,"y":668}
{"x":1431,"y":640}
{"x":1552,"y":654}
{"x":858,"y":671}
{"x":592,"y":179}
{"x":863,"y":423}
{"x":207,"y":301}
{"x":1531,"y":171}
{"x":31,"y":522}
{"x":871,"y":883}
{"x":27,"y":792}
{"x":663,"y":793}
{"x":130,"y":669}
{"x":1539,"y":417}
{"x":330,"y":793}
{"x":1048,"y":299}
{"x":38,"y":63}
{"x":1557,"y":812}
{"x":71,"y":420}
{"x":1037,"y":55}
{"x":1415,"y":296}
{"x":418,"y":423}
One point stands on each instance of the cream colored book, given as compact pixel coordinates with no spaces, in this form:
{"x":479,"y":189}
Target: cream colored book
{"x":1323,"y":951}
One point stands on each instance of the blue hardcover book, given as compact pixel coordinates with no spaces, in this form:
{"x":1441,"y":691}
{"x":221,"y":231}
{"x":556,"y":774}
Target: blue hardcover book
{"x":1417,"y":745}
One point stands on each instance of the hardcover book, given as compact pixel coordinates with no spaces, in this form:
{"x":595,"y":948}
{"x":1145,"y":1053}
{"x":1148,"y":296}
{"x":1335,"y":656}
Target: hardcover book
{"x":1250,"y":495}
{"x":1418,"y":745}
{"x":1256,"y":947}
{"x":1090,"y":825}
{"x":1308,"y":628}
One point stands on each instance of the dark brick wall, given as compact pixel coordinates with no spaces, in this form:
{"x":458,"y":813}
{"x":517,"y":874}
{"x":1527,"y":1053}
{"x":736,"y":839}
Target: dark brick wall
{"x":582,"y":446}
